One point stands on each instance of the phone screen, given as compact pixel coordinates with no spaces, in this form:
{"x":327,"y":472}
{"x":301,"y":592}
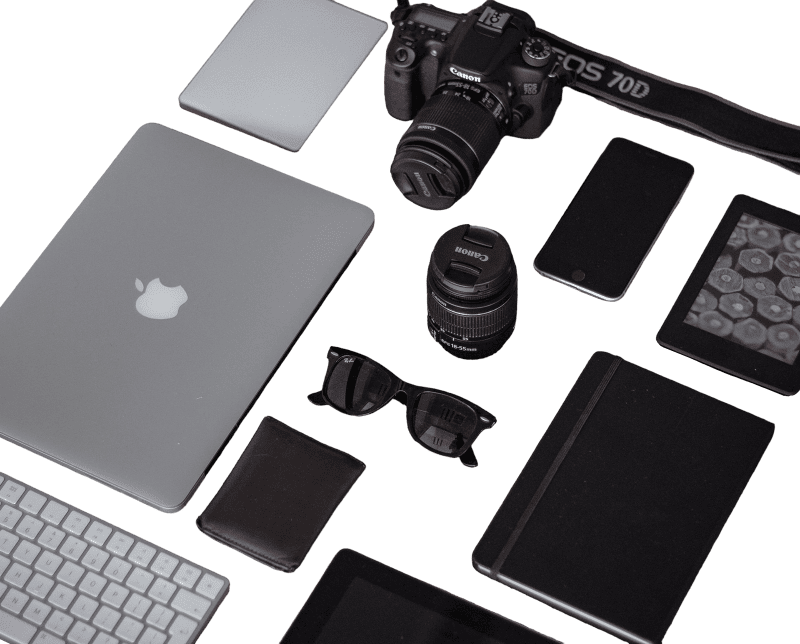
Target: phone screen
{"x":614,"y":219}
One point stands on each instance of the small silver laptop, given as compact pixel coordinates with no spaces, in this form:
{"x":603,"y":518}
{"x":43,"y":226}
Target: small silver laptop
{"x":140,"y":338}
{"x":281,"y":67}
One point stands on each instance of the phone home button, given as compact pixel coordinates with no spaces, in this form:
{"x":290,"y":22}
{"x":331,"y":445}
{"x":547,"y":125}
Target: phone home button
{"x":578,"y":275}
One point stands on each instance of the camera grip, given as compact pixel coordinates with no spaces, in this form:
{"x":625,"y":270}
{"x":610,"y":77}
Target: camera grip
{"x":401,"y":91}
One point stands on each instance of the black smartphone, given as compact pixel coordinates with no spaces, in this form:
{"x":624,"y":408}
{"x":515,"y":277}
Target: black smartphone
{"x":614,"y":219}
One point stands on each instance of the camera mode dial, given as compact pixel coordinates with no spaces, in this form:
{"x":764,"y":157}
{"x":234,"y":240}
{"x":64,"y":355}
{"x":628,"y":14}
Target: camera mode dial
{"x":537,"y":52}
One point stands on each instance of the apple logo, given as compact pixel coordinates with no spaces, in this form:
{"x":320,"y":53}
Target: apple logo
{"x":159,"y":302}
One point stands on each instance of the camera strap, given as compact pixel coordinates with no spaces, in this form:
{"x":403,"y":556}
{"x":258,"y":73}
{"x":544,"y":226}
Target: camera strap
{"x":686,"y":108}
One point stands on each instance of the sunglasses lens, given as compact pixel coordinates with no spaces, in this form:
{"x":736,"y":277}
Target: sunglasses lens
{"x":443,"y":423}
{"x":357,"y":386}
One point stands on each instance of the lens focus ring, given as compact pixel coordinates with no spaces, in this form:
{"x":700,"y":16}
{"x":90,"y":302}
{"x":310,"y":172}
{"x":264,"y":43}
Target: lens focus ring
{"x":473,"y":325}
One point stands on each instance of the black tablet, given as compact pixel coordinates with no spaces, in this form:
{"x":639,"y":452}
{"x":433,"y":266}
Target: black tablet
{"x":740,"y":310}
{"x":361,"y":601}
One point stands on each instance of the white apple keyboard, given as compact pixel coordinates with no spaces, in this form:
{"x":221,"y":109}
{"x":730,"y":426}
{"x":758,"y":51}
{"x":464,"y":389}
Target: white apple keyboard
{"x":66,"y":576}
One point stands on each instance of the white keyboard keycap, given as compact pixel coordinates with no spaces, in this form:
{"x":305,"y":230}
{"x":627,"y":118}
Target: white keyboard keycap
{"x":186,"y":575}
{"x":26,"y":553}
{"x":59,"y":623}
{"x":210,"y":586}
{"x":40,"y":586}
{"x":160,"y":616}
{"x":190,"y":604}
{"x":75,"y":523}
{"x":84,"y":608}
{"x":37,"y":612}
{"x":117,"y":569}
{"x":73,"y":548}
{"x":54,"y":512}
{"x":106,"y":618}
{"x":129,"y":630}
{"x":142,"y":554}
{"x":17,"y":575}
{"x":92,"y":584}
{"x":115,"y":595}
{"x":181,"y":630}
{"x":162,"y":590}
{"x":95,"y":559}
{"x":51,"y":537}
{"x":4,"y":563}
{"x":139,"y":580}
{"x":120,"y":544}
{"x":137,"y":606}
{"x":48,"y":563}
{"x":164,"y":565}
{"x":105,"y":638}
{"x":32,"y":502}
{"x":29,"y":527}
{"x":152,"y":636}
{"x":81,"y":634}
{"x":11,"y":491}
{"x":46,"y":638}
{"x":97,"y":533}
{"x":70,"y":573}
{"x":15,"y":630}
{"x":9,"y":517}
{"x":8,"y":542}
{"x":62,"y":596}
{"x":14,"y":601}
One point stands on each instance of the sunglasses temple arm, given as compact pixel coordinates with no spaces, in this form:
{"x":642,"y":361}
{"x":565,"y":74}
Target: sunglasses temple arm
{"x":468,"y":458}
{"x":317,"y":398}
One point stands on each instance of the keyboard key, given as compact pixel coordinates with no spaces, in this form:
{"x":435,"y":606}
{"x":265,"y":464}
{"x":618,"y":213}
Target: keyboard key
{"x":54,"y":512}
{"x":8,"y":542}
{"x":26,"y":553}
{"x":14,"y":601}
{"x":73,"y":548}
{"x":139,"y":580}
{"x":106,"y":618}
{"x":115,"y":595}
{"x":59,"y":623}
{"x":142,"y":554}
{"x":210,"y":586}
{"x":120,"y":544}
{"x":186,"y":575}
{"x":51,"y":537}
{"x":190,"y":604}
{"x":14,"y":630}
{"x":75,"y":523}
{"x":29,"y":527}
{"x":160,"y":616}
{"x":32,"y":502}
{"x":62,"y":596}
{"x":40,"y":586}
{"x":70,"y":573}
{"x":48,"y":563}
{"x":95,"y":559}
{"x":4,"y":563}
{"x":104,"y":638}
{"x":117,"y":569}
{"x":129,"y":630}
{"x":92,"y":584}
{"x":137,"y":606}
{"x":181,"y":630}
{"x":97,"y":533}
{"x":84,"y":608}
{"x":37,"y":612}
{"x":152,"y":636}
{"x":164,"y":565}
{"x":9,"y":517}
{"x":18,"y":575}
{"x":46,"y":638}
{"x":81,"y":634}
{"x":162,"y":590}
{"x":11,"y":491}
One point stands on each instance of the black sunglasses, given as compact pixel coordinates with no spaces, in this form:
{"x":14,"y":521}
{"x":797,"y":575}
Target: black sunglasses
{"x":441,"y":422}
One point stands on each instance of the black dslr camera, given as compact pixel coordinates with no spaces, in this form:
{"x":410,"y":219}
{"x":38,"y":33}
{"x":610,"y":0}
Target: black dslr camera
{"x":467,"y":80}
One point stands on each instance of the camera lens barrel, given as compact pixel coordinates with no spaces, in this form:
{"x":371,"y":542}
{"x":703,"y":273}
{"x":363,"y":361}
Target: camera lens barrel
{"x":451,"y":140}
{"x":472,"y":292}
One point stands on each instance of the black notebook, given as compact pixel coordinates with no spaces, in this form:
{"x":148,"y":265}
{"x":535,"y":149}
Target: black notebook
{"x":615,"y":512}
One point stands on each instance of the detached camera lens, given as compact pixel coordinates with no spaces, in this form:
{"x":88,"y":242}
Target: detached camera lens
{"x":472,"y":292}
{"x":441,"y":155}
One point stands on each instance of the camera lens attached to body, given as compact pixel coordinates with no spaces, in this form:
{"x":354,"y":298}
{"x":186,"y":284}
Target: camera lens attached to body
{"x":472,"y":292}
{"x":449,"y":143}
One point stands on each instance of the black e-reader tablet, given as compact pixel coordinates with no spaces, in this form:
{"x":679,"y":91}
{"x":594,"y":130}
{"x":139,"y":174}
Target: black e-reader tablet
{"x":361,"y":601}
{"x":740,"y":310}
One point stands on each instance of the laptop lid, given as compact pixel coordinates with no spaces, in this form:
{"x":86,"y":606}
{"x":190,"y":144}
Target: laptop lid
{"x":136,"y":343}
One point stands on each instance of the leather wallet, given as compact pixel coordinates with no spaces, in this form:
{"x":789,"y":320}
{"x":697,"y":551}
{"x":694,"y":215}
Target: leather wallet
{"x":279,"y":496}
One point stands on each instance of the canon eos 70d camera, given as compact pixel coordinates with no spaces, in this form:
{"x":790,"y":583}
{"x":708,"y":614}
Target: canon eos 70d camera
{"x":467,"y":80}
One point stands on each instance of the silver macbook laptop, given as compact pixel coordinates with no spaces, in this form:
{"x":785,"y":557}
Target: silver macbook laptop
{"x":281,"y":67}
{"x":140,"y":338}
